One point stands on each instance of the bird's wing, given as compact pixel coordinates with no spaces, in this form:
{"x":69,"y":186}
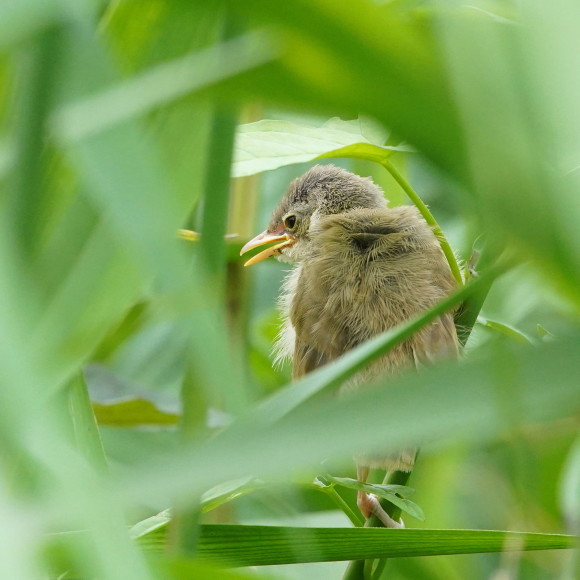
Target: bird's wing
{"x":368,"y":272}
{"x":436,"y":341}
{"x":306,"y":358}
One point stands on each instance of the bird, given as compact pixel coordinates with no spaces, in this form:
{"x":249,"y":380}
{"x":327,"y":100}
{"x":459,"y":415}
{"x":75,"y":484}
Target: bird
{"x":359,"y":268}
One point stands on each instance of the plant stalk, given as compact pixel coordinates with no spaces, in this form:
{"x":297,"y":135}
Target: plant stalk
{"x":362,"y":569}
{"x":428,"y":216}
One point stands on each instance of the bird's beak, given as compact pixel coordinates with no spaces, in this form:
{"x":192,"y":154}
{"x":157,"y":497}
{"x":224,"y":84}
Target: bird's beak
{"x":266,"y":238}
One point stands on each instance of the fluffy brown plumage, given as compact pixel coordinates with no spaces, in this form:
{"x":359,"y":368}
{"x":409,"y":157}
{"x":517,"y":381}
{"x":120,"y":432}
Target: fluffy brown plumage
{"x":360,"y":269}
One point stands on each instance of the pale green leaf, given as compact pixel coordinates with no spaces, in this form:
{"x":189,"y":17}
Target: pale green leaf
{"x":270,"y":144}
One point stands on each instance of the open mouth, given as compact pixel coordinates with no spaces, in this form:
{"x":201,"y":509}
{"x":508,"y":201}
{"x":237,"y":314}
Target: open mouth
{"x":266,"y":238}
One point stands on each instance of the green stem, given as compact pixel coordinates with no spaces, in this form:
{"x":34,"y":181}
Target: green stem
{"x":362,"y":569}
{"x":424,"y":210}
{"x":471,"y":307}
{"x":398,"y":478}
{"x":338,"y":499}
{"x":184,"y":528}
{"x":29,"y":195}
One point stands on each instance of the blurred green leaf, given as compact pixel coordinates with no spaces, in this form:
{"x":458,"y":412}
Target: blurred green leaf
{"x":228,"y":491}
{"x":174,"y":567}
{"x":132,"y":412}
{"x":24,"y":18}
{"x":341,"y":428}
{"x":366,"y":58}
{"x":544,"y":333}
{"x":210,"y":500}
{"x":86,"y":431}
{"x":162,"y":84}
{"x":104,"y":116}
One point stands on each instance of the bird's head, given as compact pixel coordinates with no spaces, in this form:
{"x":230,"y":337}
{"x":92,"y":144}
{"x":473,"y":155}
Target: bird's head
{"x":323,"y":190}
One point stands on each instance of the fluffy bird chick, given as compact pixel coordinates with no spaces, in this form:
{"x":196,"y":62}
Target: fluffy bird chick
{"x":359,"y":270}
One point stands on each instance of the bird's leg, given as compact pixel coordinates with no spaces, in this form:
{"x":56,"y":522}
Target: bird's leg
{"x":369,"y":504}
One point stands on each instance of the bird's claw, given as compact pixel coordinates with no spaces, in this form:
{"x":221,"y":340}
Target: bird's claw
{"x":370,"y":505}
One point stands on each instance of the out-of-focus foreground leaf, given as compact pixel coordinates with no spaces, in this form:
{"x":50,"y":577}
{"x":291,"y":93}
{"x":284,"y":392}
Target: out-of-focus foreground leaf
{"x":434,"y":405}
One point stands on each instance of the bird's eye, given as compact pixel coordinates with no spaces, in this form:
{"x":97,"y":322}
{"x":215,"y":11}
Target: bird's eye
{"x":290,"y":222}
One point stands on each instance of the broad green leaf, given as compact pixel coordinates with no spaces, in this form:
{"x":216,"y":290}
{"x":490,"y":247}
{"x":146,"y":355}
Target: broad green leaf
{"x":239,"y":545}
{"x":366,"y":58}
{"x":270,"y":144}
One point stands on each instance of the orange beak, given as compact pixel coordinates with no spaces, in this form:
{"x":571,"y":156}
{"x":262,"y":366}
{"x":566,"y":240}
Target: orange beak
{"x":267,"y":238}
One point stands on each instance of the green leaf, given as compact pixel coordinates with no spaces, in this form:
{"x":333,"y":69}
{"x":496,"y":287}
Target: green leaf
{"x":385,"y":489}
{"x":239,"y":545}
{"x":544,"y":333}
{"x":396,"y":494}
{"x":506,"y":330}
{"x":87,"y":436}
{"x":151,"y":527}
{"x":271,"y":144}
{"x":21,"y":19}
{"x":182,"y":568}
{"x":228,"y":491}
{"x":132,"y":412}
{"x":366,"y":151}
{"x":329,"y":489}
{"x":367,"y":58}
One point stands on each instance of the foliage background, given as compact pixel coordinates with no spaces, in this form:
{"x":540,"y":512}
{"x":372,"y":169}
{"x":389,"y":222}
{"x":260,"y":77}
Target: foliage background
{"x":118,"y":124}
